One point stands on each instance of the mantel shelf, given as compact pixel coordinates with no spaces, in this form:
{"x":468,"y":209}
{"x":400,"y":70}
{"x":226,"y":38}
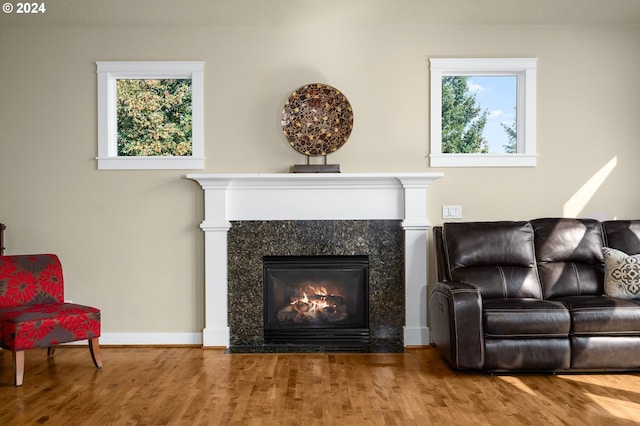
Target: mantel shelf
{"x":314,"y":180}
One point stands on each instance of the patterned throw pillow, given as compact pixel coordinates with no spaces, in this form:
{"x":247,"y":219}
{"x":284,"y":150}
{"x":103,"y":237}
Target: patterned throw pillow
{"x":621,"y":274}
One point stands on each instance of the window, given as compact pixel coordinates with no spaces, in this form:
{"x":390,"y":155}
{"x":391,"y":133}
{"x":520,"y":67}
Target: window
{"x":150,"y":115}
{"x":483,"y":112}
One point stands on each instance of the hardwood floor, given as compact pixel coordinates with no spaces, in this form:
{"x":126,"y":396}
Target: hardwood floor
{"x":192,"y":386}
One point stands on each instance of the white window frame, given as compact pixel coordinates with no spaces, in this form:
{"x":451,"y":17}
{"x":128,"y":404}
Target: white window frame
{"x":108,"y":74}
{"x":525,"y":70}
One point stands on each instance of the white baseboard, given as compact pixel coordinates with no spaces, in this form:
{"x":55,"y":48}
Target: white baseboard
{"x":416,"y":336}
{"x":413,"y":336}
{"x":147,"y":339}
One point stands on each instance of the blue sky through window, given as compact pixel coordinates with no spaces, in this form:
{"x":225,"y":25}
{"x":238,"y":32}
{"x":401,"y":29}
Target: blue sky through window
{"x":498,"y":95}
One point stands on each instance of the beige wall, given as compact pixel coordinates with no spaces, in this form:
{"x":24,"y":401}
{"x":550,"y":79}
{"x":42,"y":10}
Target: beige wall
{"x":129,"y":240}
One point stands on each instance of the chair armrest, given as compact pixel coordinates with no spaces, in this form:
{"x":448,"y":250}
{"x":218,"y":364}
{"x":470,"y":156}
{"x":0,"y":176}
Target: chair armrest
{"x":456,"y":323}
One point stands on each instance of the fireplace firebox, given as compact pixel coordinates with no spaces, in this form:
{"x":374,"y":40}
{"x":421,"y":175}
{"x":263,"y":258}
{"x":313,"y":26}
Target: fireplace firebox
{"x":319,"y":301}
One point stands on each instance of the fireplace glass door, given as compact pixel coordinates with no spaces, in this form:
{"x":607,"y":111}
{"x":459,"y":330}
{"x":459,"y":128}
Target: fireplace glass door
{"x":316,"y":300}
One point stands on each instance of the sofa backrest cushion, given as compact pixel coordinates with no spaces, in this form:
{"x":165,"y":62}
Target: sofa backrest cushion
{"x":496,"y":257}
{"x":623,"y":235}
{"x":442,"y":272}
{"x":30,"y":280}
{"x":569,"y":255}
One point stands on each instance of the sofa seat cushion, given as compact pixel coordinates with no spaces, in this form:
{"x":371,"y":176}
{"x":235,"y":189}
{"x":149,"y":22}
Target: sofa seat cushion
{"x":594,"y":315}
{"x":516,"y":318}
{"x":47,"y":324}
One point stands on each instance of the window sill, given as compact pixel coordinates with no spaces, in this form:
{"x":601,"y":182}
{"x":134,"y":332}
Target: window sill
{"x":150,"y":163}
{"x":482,"y":160}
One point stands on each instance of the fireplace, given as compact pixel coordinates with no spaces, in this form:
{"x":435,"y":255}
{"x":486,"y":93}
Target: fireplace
{"x":243,"y":204}
{"x":321,"y":301}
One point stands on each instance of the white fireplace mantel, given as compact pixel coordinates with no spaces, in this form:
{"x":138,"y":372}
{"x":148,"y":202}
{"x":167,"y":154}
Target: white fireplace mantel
{"x":315,"y":196}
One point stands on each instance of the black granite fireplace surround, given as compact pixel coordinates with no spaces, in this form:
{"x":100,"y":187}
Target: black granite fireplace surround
{"x":382,"y":241}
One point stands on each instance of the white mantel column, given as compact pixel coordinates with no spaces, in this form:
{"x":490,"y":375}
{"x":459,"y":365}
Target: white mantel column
{"x":216,"y":227}
{"x":415,"y":225}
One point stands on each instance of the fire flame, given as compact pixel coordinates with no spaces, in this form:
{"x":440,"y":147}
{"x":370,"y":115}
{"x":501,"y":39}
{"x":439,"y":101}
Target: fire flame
{"x":312,"y":303}
{"x":317,"y":301}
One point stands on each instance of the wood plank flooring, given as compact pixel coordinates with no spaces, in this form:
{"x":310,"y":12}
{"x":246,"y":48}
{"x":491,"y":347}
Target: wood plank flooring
{"x":192,"y":386}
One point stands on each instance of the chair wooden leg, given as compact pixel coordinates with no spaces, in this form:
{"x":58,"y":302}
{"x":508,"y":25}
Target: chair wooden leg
{"x":51,"y":351}
{"x":18,"y":367}
{"x":94,"y":348}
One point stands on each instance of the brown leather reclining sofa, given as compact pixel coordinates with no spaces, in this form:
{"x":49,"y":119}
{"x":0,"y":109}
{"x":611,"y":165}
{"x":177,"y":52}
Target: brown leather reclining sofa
{"x":530,"y":295}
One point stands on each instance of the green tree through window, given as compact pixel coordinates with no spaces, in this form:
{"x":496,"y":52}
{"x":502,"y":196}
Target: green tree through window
{"x":462,"y":120}
{"x":154,"y":117}
{"x":511,"y":131}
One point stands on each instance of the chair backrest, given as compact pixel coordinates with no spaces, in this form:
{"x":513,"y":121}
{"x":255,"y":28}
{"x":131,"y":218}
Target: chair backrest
{"x":2,"y":228}
{"x":30,"y":279}
{"x":623,"y":235}
{"x":442,"y":272}
{"x":497,"y":257}
{"x":569,"y":254}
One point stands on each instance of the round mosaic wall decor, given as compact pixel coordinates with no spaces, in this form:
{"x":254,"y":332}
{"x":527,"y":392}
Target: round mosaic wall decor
{"x":317,"y":119}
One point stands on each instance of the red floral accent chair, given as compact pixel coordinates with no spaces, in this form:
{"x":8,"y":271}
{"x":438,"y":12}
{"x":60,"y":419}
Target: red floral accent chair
{"x":33,"y":313}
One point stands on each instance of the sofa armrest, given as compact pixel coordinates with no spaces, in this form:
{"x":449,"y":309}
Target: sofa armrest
{"x":456,"y":323}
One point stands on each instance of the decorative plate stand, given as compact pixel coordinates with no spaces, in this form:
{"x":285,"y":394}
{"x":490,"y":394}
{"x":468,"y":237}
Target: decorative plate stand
{"x":317,"y":120}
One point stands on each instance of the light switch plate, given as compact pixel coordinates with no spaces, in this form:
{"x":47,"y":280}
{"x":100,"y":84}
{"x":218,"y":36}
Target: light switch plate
{"x":452,"y":212}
